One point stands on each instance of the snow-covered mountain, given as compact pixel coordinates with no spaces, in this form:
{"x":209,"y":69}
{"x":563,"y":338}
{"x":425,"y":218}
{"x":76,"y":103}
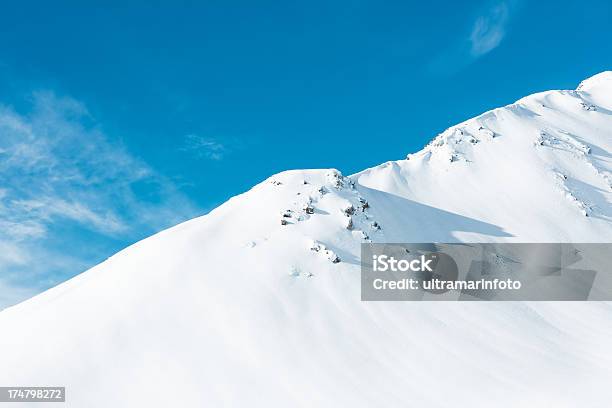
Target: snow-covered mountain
{"x":258,"y":302}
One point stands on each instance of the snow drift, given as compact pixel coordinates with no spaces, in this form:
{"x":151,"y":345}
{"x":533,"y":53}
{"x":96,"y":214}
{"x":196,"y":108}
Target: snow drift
{"x":257,"y":303}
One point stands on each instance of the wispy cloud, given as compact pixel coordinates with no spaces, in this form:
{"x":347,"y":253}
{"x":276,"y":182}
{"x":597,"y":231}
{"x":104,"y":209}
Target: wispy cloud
{"x":487,"y":30}
{"x":59,"y":169}
{"x":204,"y":147}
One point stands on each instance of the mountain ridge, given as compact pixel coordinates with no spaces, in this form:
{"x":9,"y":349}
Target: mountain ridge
{"x":257,"y":302}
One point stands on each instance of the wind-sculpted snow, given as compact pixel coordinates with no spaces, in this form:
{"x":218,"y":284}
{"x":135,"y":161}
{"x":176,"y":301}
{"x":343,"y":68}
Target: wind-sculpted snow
{"x":257,"y":303}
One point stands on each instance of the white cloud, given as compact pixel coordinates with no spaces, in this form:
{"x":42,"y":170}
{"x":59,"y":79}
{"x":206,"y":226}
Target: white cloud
{"x":204,"y":147}
{"x":489,"y":29}
{"x":57,"y":167}
{"x":486,"y":32}
{"x":12,"y":254}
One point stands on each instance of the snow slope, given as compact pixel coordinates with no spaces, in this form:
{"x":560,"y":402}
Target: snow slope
{"x":257,"y":303}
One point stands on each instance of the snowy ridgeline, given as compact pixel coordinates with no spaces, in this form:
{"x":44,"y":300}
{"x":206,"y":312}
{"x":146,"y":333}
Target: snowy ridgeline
{"x":257,"y":303}
{"x":350,"y":208}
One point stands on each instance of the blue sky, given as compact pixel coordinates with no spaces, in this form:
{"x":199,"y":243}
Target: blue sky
{"x":118,"y":121}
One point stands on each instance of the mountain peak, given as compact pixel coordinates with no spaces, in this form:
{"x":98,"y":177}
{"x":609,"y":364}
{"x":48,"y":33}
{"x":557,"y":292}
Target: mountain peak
{"x":273,"y":276}
{"x":597,"y":82}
